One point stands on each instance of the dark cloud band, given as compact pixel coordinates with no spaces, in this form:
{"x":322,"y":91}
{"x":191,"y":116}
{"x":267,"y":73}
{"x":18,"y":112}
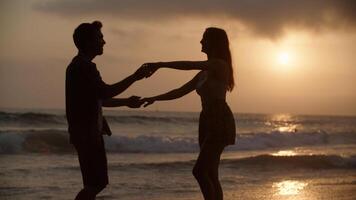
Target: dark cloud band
{"x":265,"y":17}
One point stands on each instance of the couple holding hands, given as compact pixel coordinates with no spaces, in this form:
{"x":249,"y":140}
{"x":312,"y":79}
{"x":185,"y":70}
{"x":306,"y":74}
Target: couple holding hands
{"x":87,"y":93}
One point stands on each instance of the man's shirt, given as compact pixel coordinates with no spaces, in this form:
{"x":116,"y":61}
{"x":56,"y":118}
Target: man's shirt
{"x":85,"y":90}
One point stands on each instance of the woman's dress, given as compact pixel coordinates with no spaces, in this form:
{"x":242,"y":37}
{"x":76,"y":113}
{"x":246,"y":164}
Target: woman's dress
{"x":216,"y":122}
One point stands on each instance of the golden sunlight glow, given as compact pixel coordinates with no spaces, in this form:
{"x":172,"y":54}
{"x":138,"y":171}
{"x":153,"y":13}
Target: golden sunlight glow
{"x":283,"y":58}
{"x":290,"y":187}
{"x":285,"y":153}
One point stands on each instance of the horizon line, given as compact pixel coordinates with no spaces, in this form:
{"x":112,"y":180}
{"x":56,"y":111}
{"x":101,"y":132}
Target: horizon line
{"x":5,"y":109}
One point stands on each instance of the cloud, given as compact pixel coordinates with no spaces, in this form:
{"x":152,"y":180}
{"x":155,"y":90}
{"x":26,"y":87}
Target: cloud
{"x":266,"y":18}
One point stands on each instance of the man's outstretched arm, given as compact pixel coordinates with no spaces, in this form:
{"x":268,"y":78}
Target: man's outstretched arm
{"x":132,"y":102}
{"x":119,"y":87}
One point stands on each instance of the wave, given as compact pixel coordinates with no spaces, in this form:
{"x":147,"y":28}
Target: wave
{"x":56,"y":141}
{"x":263,"y":162}
{"x":260,"y":141}
{"x":30,"y":118}
{"x":249,"y":121}
{"x":139,"y":119}
{"x":34,"y":141}
{"x":296,"y":161}
{"x":35,"y":119}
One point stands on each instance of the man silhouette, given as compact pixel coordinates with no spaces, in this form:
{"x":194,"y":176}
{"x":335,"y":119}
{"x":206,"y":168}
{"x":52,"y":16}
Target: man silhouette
{"x":86,"y":93}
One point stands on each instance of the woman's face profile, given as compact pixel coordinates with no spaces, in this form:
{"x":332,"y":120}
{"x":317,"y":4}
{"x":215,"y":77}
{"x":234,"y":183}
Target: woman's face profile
{"x":204,"y":43}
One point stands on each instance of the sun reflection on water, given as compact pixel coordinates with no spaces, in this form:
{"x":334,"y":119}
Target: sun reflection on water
{"x":283,"y":123}
{"x":290,"y":187}
{"x":282,"y":117}
{"x":290,"y":128}
{"x":285,"y":153}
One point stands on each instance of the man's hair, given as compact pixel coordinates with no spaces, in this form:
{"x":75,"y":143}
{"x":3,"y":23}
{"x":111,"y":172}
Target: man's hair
{"x":85,"y":32}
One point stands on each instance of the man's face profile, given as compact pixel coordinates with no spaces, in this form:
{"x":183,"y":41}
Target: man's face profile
{"x":96,"y":44}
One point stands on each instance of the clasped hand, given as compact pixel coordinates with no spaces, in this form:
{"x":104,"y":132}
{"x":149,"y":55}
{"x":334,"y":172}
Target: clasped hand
{"x":137,"y":102}
{"x":146,"y":70}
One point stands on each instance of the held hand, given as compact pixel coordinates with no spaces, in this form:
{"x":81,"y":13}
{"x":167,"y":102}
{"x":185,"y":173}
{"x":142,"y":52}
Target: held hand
{"x":150,"y":68}
{"x":134,"y":102}
{"x":145,"y":71}
{"x":147,"y":101}
{"x":141,"y":73}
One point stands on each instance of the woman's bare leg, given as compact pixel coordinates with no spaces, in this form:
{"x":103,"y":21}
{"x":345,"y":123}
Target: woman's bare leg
{"x":205,"y":171}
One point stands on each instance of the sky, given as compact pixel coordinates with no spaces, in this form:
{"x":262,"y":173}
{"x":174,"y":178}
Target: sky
{"x":289,"y":56}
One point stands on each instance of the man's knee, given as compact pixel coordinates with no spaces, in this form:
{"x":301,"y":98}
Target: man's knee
{"x":94,"y":190}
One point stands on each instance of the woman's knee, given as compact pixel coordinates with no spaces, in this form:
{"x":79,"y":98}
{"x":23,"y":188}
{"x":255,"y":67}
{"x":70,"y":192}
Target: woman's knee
{"x":100,"y":188}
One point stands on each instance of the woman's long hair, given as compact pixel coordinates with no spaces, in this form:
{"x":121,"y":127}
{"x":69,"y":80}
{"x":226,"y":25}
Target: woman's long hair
{"x":219,"y":44}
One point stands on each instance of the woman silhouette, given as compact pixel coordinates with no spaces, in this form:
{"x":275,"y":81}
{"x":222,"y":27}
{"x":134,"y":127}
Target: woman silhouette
{"x":216,"y":123}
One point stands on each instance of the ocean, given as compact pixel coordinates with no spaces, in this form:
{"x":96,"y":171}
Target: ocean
{"x":151,"y":156}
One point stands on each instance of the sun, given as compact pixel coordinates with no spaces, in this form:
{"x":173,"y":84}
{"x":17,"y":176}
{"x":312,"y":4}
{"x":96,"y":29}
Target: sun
{"x":283,"y":58}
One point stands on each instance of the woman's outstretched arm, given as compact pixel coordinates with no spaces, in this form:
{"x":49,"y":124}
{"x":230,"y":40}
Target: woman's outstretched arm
{"x":181,"y":65}
{"x":173,"y":94}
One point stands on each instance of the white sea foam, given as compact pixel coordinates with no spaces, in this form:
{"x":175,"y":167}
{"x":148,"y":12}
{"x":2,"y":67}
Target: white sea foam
{"x":56,"y":141}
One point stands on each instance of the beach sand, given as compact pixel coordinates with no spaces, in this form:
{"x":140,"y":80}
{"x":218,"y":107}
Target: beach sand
{"x":36,"y":176}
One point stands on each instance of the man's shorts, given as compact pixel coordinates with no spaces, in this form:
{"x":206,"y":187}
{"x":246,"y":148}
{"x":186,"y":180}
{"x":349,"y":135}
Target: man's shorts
{"x":93,"y":164}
